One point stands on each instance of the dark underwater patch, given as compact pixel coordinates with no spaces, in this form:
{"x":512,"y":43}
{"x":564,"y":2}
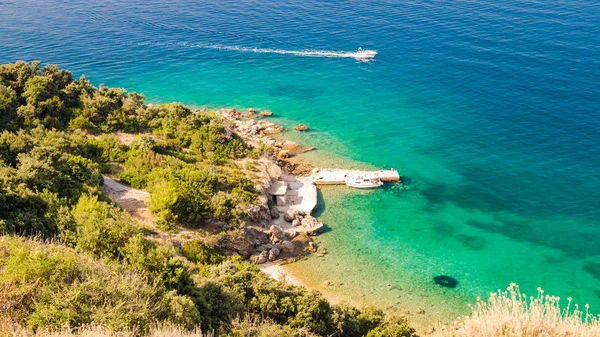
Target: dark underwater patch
{"x":489,"y":226}
{"x":436,"y":193}
{"x":472,"y":242}
{"x":520,"y":229}
{"x":443,"y":228}
{"x":592,"y":268}
{"x":445,"y":281}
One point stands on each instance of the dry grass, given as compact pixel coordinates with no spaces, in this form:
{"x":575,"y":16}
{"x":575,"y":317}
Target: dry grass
{"x":512,"y":313}
{"x":8,"y":329}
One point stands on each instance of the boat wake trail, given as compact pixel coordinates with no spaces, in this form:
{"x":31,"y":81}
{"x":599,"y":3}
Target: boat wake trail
{"x":360,"y":54}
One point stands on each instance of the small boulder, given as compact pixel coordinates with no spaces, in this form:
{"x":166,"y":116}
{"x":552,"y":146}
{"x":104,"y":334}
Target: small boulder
{"x":296,"y":222}
{"x":283,"y":154}
{"x":287,"y":246}
{"x":420,"y":311}
{"x":301,"y":127}
{"x":266,"y":113}
{"x":262,"y":257}
{"x":274,"y":213}
{"x":290,"y":233}
{"x":310,"y":221}
{"x":292,"y":147}
{"x":289,"y":216}
{"x":276,"y":233}
{"x":274,"y":253}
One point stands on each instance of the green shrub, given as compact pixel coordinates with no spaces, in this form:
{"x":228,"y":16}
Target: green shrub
{"x":48,"y":285}
{"x":102,"y":229}
{"x":197,"y":251}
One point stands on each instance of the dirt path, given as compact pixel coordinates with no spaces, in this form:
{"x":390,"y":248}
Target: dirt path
{"x":131,"y":199}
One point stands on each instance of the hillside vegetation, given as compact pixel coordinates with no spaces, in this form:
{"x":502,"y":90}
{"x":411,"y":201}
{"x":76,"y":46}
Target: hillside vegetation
{"x":71,"y":261}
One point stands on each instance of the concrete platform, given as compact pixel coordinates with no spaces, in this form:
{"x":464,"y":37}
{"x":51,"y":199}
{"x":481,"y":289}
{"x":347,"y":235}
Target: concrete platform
{"x":338,"y":176}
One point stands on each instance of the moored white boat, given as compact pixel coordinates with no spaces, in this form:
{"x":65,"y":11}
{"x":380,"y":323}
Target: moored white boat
{"x":366,"y":181}
{"x":365,"y":54}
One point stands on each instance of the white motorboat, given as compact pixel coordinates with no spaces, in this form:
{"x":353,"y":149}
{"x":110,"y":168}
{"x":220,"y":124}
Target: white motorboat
{"x":365,"y":54}
{"x":366,"y":181}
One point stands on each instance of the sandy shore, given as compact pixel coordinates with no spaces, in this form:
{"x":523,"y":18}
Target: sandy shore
{"x":278,"y":272}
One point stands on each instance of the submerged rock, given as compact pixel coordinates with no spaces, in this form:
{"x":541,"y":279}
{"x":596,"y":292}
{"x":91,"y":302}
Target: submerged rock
{"x":445,"y":281}
{"x":266,"y":113}
{"x":302,"y":127}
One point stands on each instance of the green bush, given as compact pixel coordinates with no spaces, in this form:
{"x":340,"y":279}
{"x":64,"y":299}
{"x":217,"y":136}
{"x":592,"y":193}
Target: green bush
{"x":102,"y":229}
{"x":48,"y":285}
{"x":197,"y":251}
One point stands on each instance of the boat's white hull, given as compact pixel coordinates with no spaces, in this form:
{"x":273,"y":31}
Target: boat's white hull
{"x":365,"y":54}
{"x":363,"y":187}
{"x":362,"y":184}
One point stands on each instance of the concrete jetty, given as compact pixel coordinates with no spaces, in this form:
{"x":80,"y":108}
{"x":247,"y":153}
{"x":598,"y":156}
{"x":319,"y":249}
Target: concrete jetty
{"x":338,"y":176}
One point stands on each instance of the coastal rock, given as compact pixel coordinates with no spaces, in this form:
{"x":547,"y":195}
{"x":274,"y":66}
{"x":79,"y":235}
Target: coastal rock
{"x":264,"y":248}
{"x":249,"y":113}
{"x":310,"y":221}
{"x":262,"y":257}
{"x":227,"y":113}
{"x":283,"y":154}
{"x":266,"y":113}
{"x":289,"y":216}
{"x":274,"y":213}
{"x":276,"y":233}
{"x":301,"y":127}
{"x":258,"y":215}
{"x":290,"y":233}
{"x":274,"y":253}
{"x":244,"y":242}
{"x":292,"y":147}
{"x":268,"y":128}
{"x":287,"y":246}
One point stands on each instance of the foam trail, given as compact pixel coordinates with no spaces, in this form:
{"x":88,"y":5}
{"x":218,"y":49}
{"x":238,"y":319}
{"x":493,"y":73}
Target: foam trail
{"x":304,"y":53}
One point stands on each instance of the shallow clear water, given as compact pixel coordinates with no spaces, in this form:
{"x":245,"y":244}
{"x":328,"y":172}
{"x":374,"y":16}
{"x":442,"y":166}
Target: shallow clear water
{"x":490,"y":110}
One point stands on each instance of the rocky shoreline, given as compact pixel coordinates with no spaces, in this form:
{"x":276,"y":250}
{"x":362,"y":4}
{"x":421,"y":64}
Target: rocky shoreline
{"x":274,"y":233}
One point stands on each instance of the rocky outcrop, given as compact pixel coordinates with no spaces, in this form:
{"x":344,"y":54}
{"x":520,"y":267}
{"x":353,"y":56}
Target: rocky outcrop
{"x":289,"y":216}
{"x":266,"y":113}
{"x":249,"y":113}
{"x":310,"y":221}
{"x":258,"y":128}
{"x":228,"y":114}
{"x":262,"y":257}
{"x":246,"y":240}
{"x":258,"y":215}
{"x":290,"y":233}
{"x":274,"y":253}
{"x":276,"y":234}
{"x":287,"y":246}
{"x":301,"y":127}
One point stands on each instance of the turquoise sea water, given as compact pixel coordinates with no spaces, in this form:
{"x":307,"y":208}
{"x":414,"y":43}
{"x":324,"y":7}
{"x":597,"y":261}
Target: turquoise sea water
{"x":490,"y":110}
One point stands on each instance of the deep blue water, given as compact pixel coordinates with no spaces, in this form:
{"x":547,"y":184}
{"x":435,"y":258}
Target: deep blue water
{"x":491,"y":109}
